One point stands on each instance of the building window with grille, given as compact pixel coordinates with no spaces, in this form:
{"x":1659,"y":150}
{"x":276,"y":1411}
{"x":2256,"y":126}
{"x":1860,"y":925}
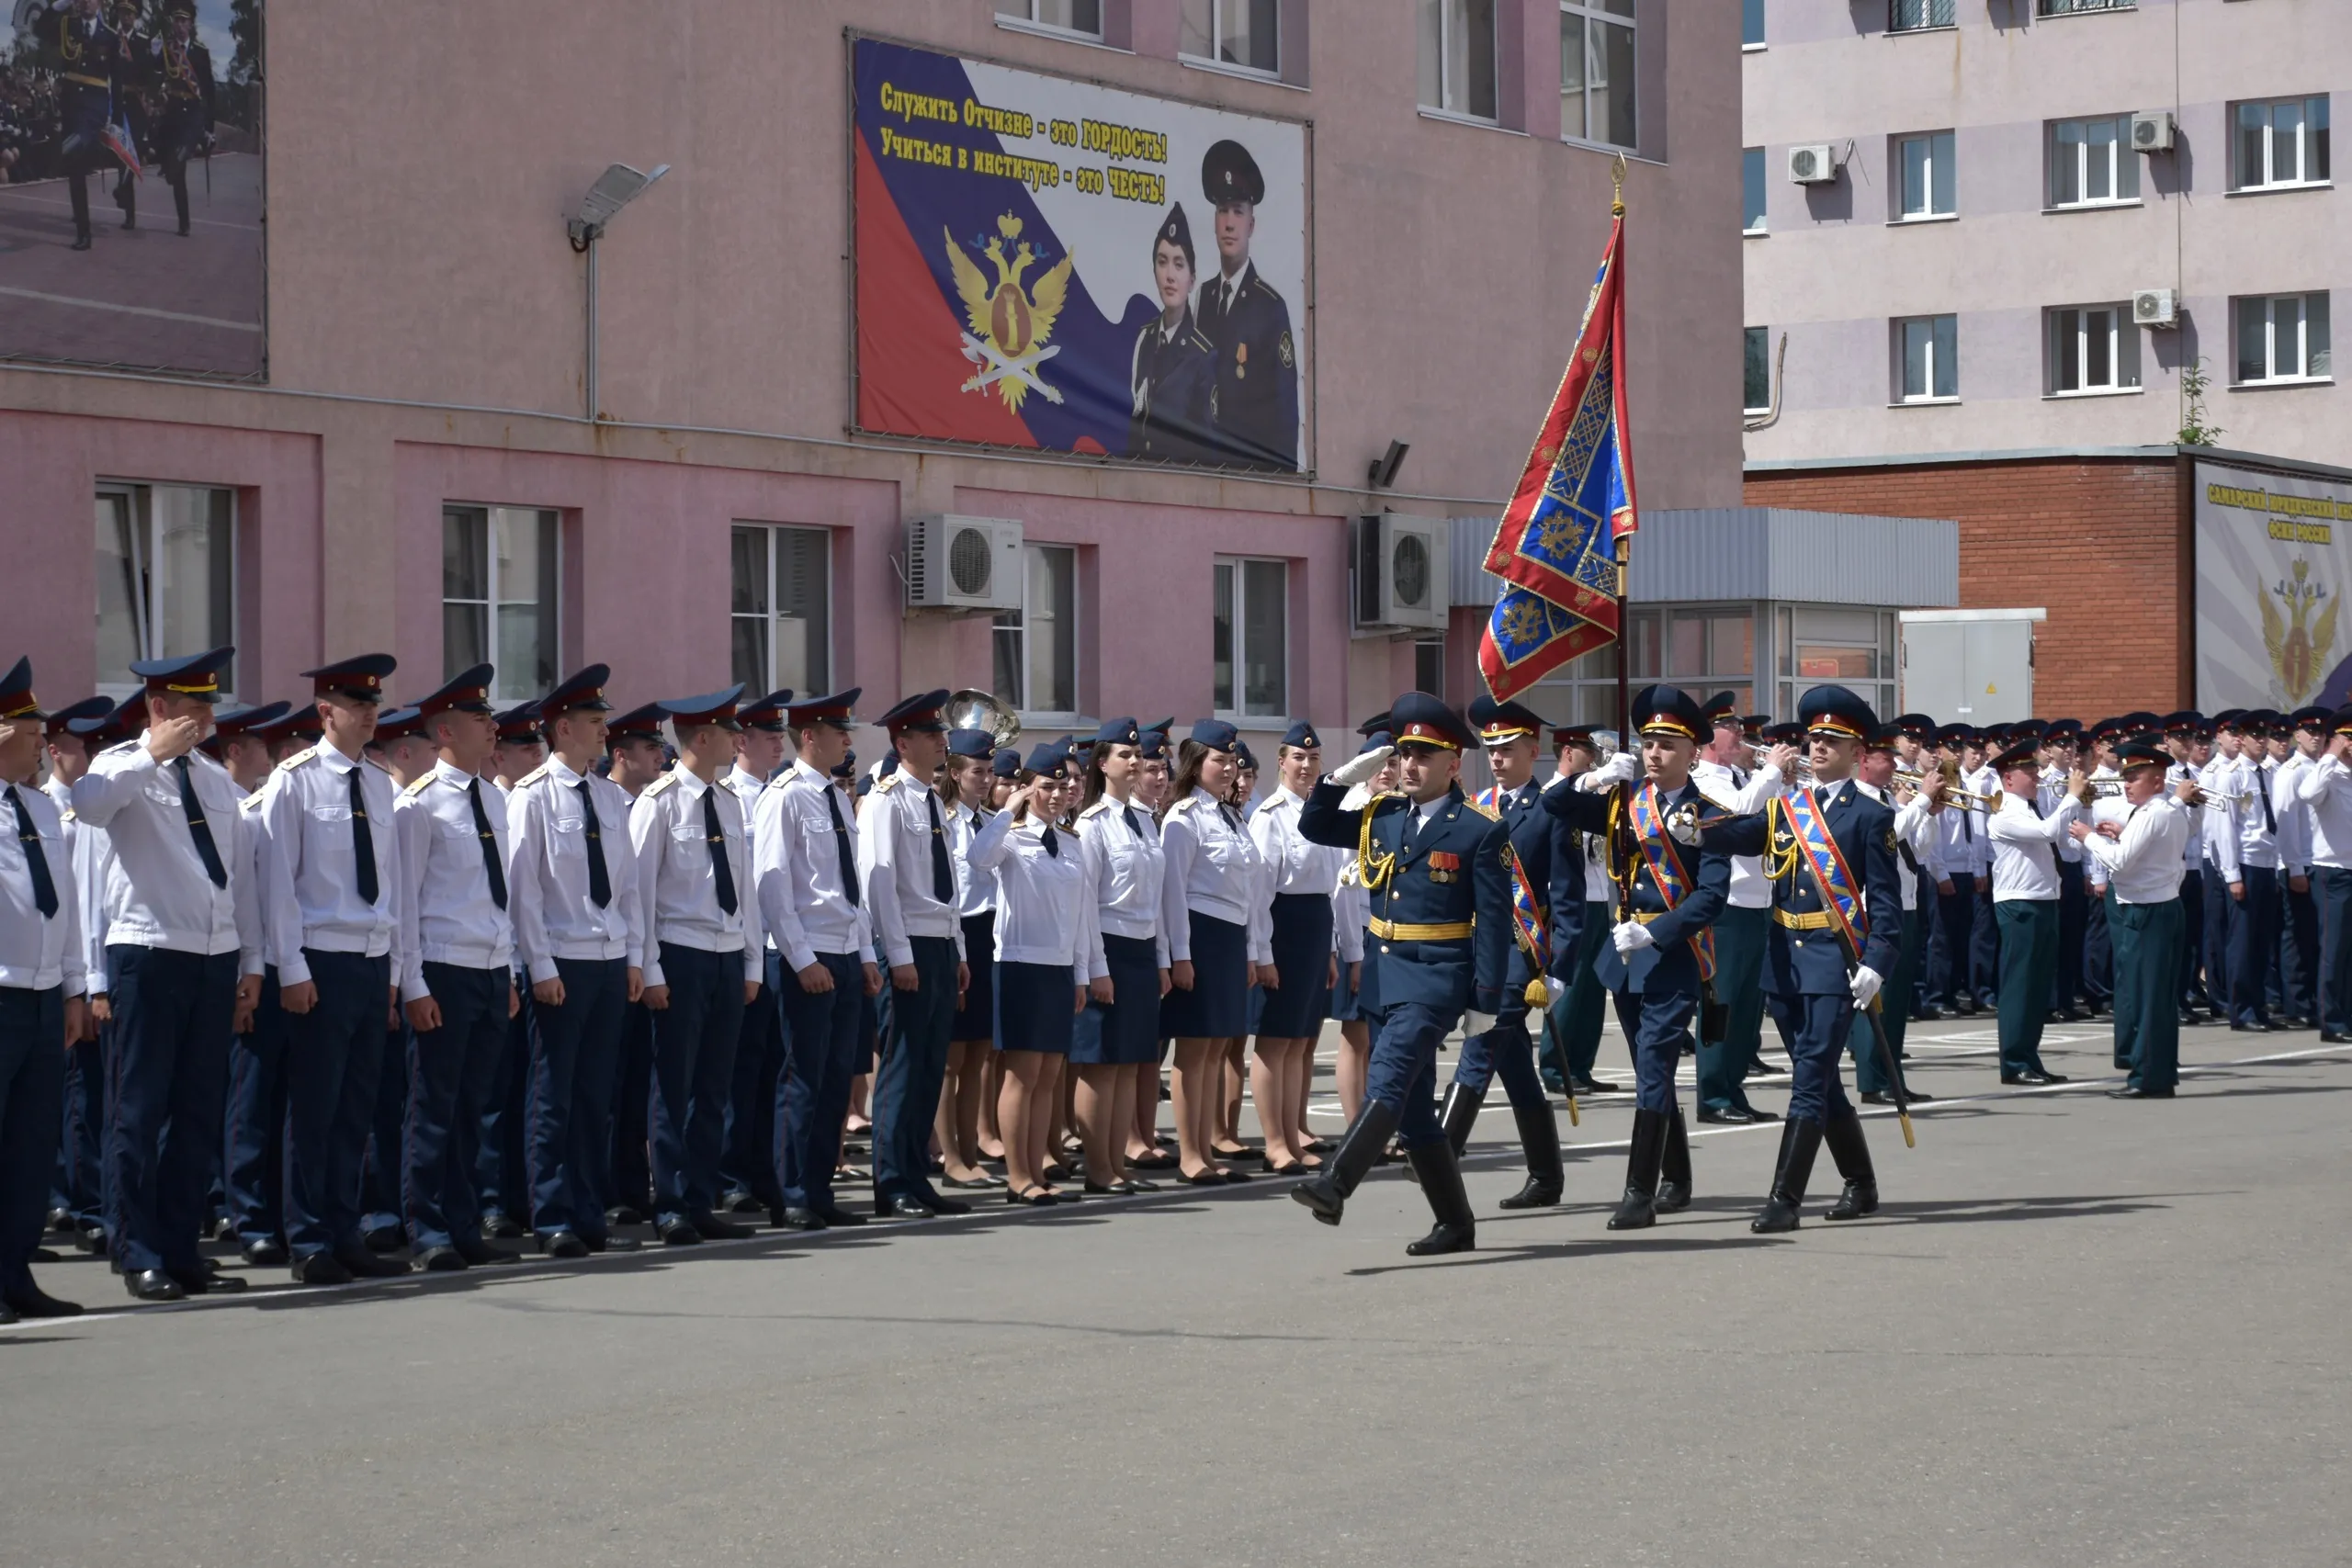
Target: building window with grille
{"x":167,"y":576}
{"x":1929,"y":182}
{"x":2079,"y":7}
{"x":780,"y":619}
{"x":2092,"y":164}
{"x":501,"y":568}
{"x":1036,"y":646}
{"x":2093,"y":348}
{"x":1457,"y":57}
{"x":2282,"y":337}
{"x":1915,"y":16}
{"x":1249,"y":640}
{"x":1082,"y":16}
{"x":1926,"y":351}
{"x":1243,"y":34}
{"x":1597,"y":72}
{"x":2281,"y":144}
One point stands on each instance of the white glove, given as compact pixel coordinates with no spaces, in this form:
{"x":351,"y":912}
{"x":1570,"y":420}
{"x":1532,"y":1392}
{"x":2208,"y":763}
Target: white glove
{"x":1474,"y":1024}
{"x":1622,"y":767}
{"x":1864,"y":984}
{"x":1553,"y":989}
{"x":1630,"y":937}
{"x":1357,"y":769}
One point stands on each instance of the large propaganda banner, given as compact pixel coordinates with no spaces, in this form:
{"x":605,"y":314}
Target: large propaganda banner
{"x":1051,"y":264}
{"x":2273,"y":562}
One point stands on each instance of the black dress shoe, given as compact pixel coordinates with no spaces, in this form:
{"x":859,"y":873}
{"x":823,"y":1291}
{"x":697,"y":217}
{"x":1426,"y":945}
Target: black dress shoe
{"x":2028,"y":1077}
{"x":983,"y":1182}
{"x":940,"y":1203}
{"x":267,"y":1253}
{"x":502,"y":1227}
{"x":320,"y":1268}
{"x":713,"y":1228}
{"x":33,"y":1302}
{"x":81,"y":242}
{"x":565,"y":1245}
{"x":383,"y":1238}
{"x":205,"y":1282}
{"x":1035,"y":1198}
{"x":8,"y":1314}
{"x":46,"y":1255}
{"x":610,"y":1243}
{"x":1876,"y":1096}
{"x":835,"y":1214}
{"x":736,"y":1201}
{"x":61,"y":1220}
{"x":622,"y":1214}
{"x":1207,"y":1178}
{"x":679,"y":1233}
{"x":1594,"y":1086}
{"x":91,"y":1239}
{"x":901,"y":1206}
{"x":1730,"y":1113}
{"x":152,"y":1285}
{"x":2068,"y":1014}
{"x":481,"y":1256}
{"x":1150,"y":1162}
{"x":366,"y":1265}
{"x":1965,"y":1006}
{"x":440,"y":1260}
{"x":2330,"y":1037}
{"x":2128,"y":1093}
{"x":793,"y":1218}
{"x":2189,"y":1019}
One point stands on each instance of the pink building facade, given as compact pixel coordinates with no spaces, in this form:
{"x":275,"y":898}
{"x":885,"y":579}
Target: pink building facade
{"x":419,"y":470}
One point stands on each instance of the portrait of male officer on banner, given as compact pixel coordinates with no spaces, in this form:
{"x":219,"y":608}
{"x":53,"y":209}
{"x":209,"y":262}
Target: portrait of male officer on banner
{"x":1254,"y":413}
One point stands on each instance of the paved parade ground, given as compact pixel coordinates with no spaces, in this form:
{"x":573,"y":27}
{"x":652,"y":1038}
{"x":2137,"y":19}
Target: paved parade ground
{"x":2082,"y":1333}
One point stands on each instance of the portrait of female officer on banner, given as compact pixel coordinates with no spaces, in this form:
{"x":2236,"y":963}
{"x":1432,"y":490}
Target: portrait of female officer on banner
{"x":1173,"y":376}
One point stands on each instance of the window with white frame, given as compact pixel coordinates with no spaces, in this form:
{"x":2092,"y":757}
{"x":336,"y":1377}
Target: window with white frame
{"x":1756,"y":377}
{"x":1751,"y":24}
{"x":2282,"y":337}
{"x":1242,"y":33}
{"x":2093,"y":348}
{"x":1065,"y":15}
{"x":1036,"y":646}
{"x":2282,"y":142}
{"x":1854,"y":648}
{"x":1457,"y":57}
{"x":1927,"y":359}
{"x":167,"y":575}
{"x":1250,"y":638}
{"x":1752,"y":186}
{"x":1597,"y":72}
{"x":2077,"y":7}
{"x":1910,"y":16}
{"x":780,"y":619}
{"x":1927,"y":189}
{"x":2091,"y":161}
{"x":499,"y":577}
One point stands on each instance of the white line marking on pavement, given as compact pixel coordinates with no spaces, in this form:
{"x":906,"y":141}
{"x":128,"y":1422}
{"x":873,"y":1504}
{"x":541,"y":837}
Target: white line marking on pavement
{"x":132,"y":309}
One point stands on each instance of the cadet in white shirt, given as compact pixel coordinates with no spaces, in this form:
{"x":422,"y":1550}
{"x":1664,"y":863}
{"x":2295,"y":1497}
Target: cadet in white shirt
{"x":1744,"y":929}
{"x":2247,"y":850}
{"x":1115,"y":1045}
{"x":1303,"y":941}
{"x":43,"y":982}
{"x":2299,"y":922}
{"x":747,"y":1160}
{"x":77,"y":1202}
{"x":2061,"y":752}
{"x":2025,"y":909}
{"x":2326,"y":789}
{"x":457,"y":977}
{"x":1915,"y":836}
{"x":184,"y":954}
{"x":635,"y":757}
{"x":2191,"y":746}
{"x":704,"y":952}
{"x":806,"y":851}
{"x":1959,"y":835}
{"x":971,"y":1081}
{"x":910,"y":873}
{"x":2141,"y":857}
{"x":580,"y":932}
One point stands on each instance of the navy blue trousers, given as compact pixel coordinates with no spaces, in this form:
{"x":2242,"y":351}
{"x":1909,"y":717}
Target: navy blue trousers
{"x":1984,"y":947}
{"x":632,"y":1161}
{"x":1403,"y":1074}
{"x":81,"y":1153}
{"x":451,"y":1070}
{"x":2299,"y":953}
{"x":2254,"y":936}
{"x":252,"y":1173}
{"x":173,"y":1013}
{"x":1506,"y":1050}
{"x":914,"y":1064}
{"x":502,"y":1171}
{"x":334,"y":1060}
{"x":2073,"y":916}
{"x":32,"y":1099}
{"x":2333,"y":890}
{"x":693,"y":1070}
{"x":1955,"y":921}
{"x":1658,"y":1023}
{"x":747,"y":1162}
{"x":1817,"y":1030}
{"x":2193,"y":992}
{"x":2099,"y":950}
{"x":2215,"y":937}
{"x":575,"y":1057}
{"x":821,"y":1031}
{"x":380,"y":1180}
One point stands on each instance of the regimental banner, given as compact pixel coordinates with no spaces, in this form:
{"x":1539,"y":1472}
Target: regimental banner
{"x":1051,"y":264}
{"x":2274,"y":559}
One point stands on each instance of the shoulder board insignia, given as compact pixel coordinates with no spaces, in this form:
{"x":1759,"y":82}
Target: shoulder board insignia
{"x":657,"y":786}
{"x":534,"y":776}
{"x":1490,"y":814}
{"x":379,"y":767}
{"x":66,"y":815}
{"x":1200,"y":339}
{"x":420,"y":786}
{"x":1258,"y":284}
{"x":306,"y":753}
{"x":120,"y":746}
{"x":1187,"y":804}
{"x":888,"y":783}
{"x":1066,"y":828}
{"x":1097,"y":809}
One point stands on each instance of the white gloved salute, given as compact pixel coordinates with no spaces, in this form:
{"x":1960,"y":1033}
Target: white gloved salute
{"x":1629,"y":937}
{"x":1359,"y":767}
{"x":1865,"y":983}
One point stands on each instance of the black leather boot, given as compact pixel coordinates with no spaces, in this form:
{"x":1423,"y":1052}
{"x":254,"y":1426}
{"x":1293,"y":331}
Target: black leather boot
{"x":1546,"y":1172}
{"x":79,"y":188}
{"x":1674,"y":1167}
{"x":1456,"y":1229}
{"x":1638,"y":1207}
{"x":1851,"y":1150}
{"x":1456,"y":1115}
{"x":179,"y":203}
{"x":1799,"y":1144}
{"x":1326,"y":1193}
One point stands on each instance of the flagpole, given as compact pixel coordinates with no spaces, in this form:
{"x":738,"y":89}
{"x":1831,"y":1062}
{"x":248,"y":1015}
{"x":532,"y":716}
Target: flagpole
{"x":1624,"y":542}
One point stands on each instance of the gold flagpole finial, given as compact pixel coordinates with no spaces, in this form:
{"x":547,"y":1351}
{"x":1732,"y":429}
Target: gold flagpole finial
{"x":1617,"y":185}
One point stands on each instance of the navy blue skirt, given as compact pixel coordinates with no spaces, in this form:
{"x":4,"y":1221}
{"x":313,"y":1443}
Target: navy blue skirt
{"x":1127,"y":1031}
{"x":1034,"y":1007}
{"x":1218,"y":1007}
{"x":976,"y":1020}
{"x":1359,"y":1003}
{"x":1302,"y":945}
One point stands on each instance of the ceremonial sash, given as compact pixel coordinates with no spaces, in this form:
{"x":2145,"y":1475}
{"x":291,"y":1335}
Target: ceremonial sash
{"x":1665,"y":870}
{"x":1527,"y":910}
{"x":1819,"y":847}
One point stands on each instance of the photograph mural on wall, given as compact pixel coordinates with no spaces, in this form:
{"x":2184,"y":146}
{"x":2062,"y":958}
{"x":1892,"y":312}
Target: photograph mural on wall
{"x":130,"y":185}
{"x":1056,"y":265}
{"x":2274,"y":560}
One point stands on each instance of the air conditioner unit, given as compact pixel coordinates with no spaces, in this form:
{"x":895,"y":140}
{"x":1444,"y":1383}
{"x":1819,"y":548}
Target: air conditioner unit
{"x":2151,"y":132}
{"x":963,"y":563}
{"x":2156,"y":308}
{"x":1403,"y":573}
{"x":1813,"y":164}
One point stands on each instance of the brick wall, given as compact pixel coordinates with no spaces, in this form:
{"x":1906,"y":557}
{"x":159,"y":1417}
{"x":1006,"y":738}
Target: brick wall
{"x":2103,"y":545}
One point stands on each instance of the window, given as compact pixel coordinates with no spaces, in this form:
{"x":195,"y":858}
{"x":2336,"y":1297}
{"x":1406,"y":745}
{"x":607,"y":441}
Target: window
{"x":1036,"y":646}
{"x":1926,"y":163}
{"x":781,"y":613}
{"x":1751,"y":24}
{"x":2091,"y":161}
{"x":2281,"y":144}
{"x":1245,"y":33}
{"x":1597,"y":72}
{"x":2077,"y":7}
{"x":1910,"y":16}
{"x":166,"y":576}
{"x":1751,"y":190}
{"x":1702,"y":649}
{"x":1457,"y":48}
{"x":1758,"y":380}
{"x":1251,"y":641}
{"x":2094,"y":348}
{"x":1429,"y":666}
{"x":1066,"y":16}
{"x":2282,"y":337}
{"x":499,"y":572}
{"x":1929,"y":349}
{"x":1853,"y":647}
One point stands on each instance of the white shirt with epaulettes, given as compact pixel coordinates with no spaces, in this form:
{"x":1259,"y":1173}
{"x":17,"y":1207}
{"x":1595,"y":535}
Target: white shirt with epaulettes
{"x":158,"y":893}
{"x":549,"y":891}
{"x":1044,"y":911}
{"x":1214,"y":867}
{"x":677,"y":875}
{"x":1127,"y":866}
{"x":797,"y":862}
{"x":1296,"y":866}
{"x":309,"y":861}
{"x":450,"y":916}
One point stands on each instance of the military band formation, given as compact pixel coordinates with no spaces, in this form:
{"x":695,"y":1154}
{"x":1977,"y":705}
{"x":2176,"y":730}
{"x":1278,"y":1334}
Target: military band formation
{"x":364,"y":990}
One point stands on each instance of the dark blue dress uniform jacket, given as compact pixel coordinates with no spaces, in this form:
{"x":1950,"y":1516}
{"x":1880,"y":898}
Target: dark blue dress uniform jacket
{"x":1671,"y":964}
{"x":1811,"y":963}
{"x":1257,"y":373}
{"x":1453,"y":975}
{"x":1553,"y":860}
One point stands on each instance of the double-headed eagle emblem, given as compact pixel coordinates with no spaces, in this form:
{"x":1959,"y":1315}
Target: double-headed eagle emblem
{"x":1008,"y":326}
{"x":2300,"y":642}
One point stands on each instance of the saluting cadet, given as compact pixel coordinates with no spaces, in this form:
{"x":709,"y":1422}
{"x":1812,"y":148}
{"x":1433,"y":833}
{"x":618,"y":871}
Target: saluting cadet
{"x":1958,"y":842}
{"x":332,"y":887}
{"x":2299,"y":952}
{"x":811,"y":903}
{"x":909,"y":876}
{"x":43,"y":979}
{"x":2060,"y":751}
{"x":747,"y":1160}
{"x":2141,"y":857}
{"x":2025,"y":907}
{"x":183,"y":952}
{"x":1743,"y":929}
{"x":1118,"y":1039}
{"x":2216,"y":776}
{"x":636,"y":757}
{"x":458,"y":975}
{"x":704,"y":950}
{"x":1661,"y":962}
{"x":2249,"y":856}
{"x":1438,"y":872}
{"x":1303,"y":944}
{"x":970,"y":1038}
{"x":579,"y":930}
{"x":1914,"y":836}
{"x":2098,"y":950}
